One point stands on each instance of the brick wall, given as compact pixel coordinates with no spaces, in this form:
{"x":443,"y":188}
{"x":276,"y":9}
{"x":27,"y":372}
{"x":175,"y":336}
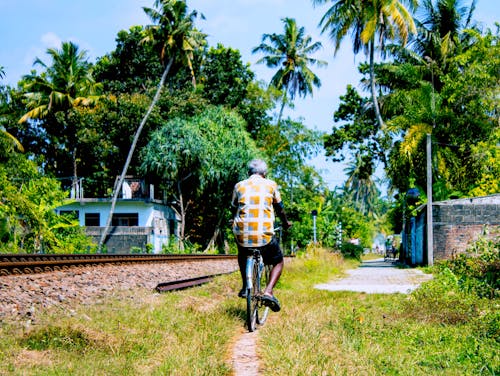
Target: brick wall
{"x":458,"y":223}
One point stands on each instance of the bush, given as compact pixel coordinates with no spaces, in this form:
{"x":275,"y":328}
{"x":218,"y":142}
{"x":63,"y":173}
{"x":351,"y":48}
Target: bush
{"x":441,"y":300}
{"x":350,"y":250}
{"x":478,"y":270}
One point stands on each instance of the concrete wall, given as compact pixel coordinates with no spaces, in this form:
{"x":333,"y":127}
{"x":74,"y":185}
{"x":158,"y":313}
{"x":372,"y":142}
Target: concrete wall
{"x":122,"y":239}
{"x":458,"y":223}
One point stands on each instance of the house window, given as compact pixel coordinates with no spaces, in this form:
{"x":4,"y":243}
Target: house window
{"x":73,"y":214}
{"x":92,"y":219}
{"x":125,"y":219}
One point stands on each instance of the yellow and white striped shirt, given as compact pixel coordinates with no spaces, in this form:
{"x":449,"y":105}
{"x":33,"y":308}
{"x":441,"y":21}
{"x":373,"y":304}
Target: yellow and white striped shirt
{"x":254,"y":197}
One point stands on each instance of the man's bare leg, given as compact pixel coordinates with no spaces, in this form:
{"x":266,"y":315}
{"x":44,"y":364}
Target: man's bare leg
{"x":274,"y":277}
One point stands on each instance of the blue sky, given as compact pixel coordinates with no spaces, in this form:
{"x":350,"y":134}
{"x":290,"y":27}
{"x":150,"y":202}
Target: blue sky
{"x":29,"y":27}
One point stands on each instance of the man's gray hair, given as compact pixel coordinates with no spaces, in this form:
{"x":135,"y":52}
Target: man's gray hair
{"x":257,"y":166}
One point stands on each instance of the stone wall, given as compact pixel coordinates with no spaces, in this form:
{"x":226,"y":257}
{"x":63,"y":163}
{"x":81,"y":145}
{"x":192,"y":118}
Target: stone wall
{"x":458,"y":223}
{"x":121,"y":239}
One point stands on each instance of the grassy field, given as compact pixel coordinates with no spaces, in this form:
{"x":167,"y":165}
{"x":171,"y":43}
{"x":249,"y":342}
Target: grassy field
{"x":434,"y":331}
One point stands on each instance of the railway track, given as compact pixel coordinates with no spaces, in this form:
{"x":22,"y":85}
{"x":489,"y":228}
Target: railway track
{"x":38,"y":263}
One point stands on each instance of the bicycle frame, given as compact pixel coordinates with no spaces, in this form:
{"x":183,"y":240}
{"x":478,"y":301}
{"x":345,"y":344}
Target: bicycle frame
{"x":251,"y":260}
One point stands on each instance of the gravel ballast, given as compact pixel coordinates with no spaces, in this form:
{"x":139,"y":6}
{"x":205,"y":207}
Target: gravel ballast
{"x":23,"y":296}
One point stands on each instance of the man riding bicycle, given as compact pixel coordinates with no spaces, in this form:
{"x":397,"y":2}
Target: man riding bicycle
{"x":256,"y":200}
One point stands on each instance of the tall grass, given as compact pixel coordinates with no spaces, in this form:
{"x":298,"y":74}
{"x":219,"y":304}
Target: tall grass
{"x":139,"y":333}
{"x":437,"y":330}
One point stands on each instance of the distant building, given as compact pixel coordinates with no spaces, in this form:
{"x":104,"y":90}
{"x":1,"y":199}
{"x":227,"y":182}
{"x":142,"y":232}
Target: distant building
{"x":138,"y":220}
{"x":456,"y":225}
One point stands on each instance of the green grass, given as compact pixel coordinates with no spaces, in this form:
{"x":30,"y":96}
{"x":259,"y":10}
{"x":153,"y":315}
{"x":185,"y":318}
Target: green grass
{"x":434,"y":331}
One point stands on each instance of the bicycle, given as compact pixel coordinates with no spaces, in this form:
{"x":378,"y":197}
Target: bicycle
{"x":257,"y":279}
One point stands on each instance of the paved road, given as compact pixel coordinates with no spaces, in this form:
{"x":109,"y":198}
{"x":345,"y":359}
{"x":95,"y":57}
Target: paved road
{"x":378,"y":277}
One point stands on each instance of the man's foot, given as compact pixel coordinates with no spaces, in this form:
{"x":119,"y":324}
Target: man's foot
{"x":243,"y":293}
{"x":271,"y":302}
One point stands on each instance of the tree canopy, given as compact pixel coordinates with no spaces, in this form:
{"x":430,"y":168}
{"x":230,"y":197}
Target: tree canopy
{"x":189,"y":116}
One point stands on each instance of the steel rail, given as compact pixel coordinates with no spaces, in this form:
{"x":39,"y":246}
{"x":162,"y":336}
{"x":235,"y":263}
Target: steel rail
{"x":29,"y":263}
{"x":183,"y":283}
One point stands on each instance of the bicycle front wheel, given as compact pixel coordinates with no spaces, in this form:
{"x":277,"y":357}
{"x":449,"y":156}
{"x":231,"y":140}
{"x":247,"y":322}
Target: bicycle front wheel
{"x":262,"y":310}
{"x":252,"y":302}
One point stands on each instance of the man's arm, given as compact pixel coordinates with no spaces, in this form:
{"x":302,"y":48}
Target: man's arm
{"x":279,"y":209}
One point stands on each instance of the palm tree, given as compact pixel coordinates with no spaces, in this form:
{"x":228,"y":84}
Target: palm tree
{"x":368,"y":21}
{"x":173,"y":31}
{"x":174,"y":35}
{"x":64,"y":85}
{"x":3,"y":110}
{"x":67,"y":83}
{"x":359,"y":184}
{"x":440,"y":31}
{"x":290,"y":53}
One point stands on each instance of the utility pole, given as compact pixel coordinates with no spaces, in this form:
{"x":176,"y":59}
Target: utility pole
{"x":430,"y":235}
{"x":314,"y":214}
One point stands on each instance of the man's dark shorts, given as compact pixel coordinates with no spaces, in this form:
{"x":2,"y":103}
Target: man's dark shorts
{"x":271,"y":252}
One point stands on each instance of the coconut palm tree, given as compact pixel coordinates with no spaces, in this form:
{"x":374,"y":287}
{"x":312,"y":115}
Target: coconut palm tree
{"x":360,"y":185}
{"x":67,"y":83}
{"x":173,"y":30}
{"x":440,"y":31}
{"x":175,"y":37}
{"x":290,"y":53}
{"x":371,"y":23}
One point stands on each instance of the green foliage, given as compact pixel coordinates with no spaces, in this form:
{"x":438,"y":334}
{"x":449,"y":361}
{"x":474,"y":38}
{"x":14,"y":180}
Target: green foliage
{"x":441,"y":300}
{"x":351,"y":250}
{"x":358,"y":132}
{"x":478,"y":270}
{"x":291,"y":52}
{"x":487,"y":160}
{"x":28,"y":222}
{"x":71,"y":238}
{"x":199,"y":159}
{"x":173,"y":35}
{"x":224,"y":76}
{"x":454,"y":100}
{"x":56,"y":338}
{"x":132,"y":67}
{"x":104,"y":138}
{"x":456,"y":294}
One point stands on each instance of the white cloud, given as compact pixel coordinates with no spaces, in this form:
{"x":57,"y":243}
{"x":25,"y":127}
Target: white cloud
{"x":51,"y":40}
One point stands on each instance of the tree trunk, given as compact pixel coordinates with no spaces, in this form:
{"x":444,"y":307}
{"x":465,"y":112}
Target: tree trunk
{"x":75,"y":176}
{"x":372,"y":84}
{"x":119,"y":183}
{"x":283,"y":102}
{"x":183,"y":216}
{"x":211,"y":243}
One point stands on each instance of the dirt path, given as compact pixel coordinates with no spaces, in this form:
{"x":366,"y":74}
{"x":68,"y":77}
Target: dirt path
{"x":244,"y":359}
{"x":378,"y":277}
